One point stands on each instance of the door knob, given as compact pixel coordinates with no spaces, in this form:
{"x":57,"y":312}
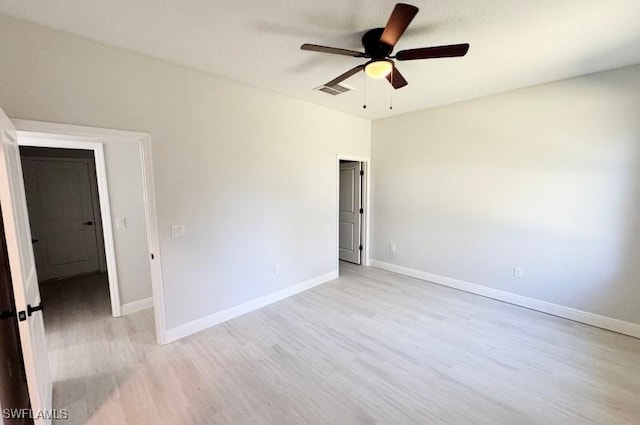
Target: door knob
{"x":88,"y":223}
{"x":31,"y":310}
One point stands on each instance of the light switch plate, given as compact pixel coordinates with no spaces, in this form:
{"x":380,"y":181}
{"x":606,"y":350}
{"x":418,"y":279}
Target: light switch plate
{"x":178,"y":231}
{"x":518,"y":272}
{"x":121,"y":223}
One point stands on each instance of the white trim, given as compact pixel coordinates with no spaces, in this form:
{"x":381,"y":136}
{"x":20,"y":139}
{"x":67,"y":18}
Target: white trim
{"x":198,"y":325}
{"x":604,"y":322}
{"x":364,"y":257}
{"x":75,"y":132}
{"x":81,"y":135}
{"x":137,"y":306}
{"x":150,"y":210}
{"x":25,"y":139}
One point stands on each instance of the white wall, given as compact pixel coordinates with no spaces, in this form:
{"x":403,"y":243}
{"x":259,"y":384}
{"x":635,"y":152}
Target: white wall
{"x":124,"y":177}
{"x":545,"y":178}
{"x":251,"y":174}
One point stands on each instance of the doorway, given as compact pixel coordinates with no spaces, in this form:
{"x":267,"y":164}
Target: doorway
{"x":64,"y":212}
{"x":352,"y":210}
{"x":66,"y":189}
{"x":63,"y":204}
{"x":122,"y":165}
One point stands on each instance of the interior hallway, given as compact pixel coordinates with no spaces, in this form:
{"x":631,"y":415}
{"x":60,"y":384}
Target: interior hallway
{"x":371,"y":347}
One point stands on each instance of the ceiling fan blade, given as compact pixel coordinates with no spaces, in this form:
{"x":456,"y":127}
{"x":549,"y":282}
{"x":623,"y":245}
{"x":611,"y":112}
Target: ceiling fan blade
{"x":344,"y":76}
{"x":396,"y":79}
{"x":452,"y":51}
{"x":399,"y":20}
{"x":334,"y":50}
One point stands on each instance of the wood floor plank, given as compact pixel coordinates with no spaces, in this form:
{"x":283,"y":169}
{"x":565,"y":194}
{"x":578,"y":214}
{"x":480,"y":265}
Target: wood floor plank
{"x":371,"y":347}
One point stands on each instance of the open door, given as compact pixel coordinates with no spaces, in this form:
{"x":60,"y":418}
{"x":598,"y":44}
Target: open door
{"x":23,"y":274}
{"x":350,"y":214}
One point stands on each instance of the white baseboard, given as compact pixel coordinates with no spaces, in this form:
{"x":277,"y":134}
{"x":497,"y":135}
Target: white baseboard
{"x":198,"y":325}
{"x":604,"y":322}
{"x":136,"y":306}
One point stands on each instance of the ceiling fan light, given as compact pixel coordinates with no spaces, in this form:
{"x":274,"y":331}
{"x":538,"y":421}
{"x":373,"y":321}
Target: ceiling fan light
{"x":378,"y":69}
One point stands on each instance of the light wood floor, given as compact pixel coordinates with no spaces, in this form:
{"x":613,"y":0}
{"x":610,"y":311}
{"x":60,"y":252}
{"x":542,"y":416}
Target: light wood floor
{"x":372,"y":347}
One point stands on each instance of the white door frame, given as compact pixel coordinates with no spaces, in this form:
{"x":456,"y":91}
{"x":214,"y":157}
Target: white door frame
{"x":43,"y":134}
{"x":366,"y":193}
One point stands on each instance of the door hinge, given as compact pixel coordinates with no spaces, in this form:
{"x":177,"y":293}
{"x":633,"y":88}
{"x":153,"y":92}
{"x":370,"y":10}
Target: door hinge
{"x":362,"y":172}
{"x":360,"y":248}
{"x":361,"y":210}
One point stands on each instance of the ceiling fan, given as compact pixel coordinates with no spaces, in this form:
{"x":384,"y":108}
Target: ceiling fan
{"x":378,"y":45}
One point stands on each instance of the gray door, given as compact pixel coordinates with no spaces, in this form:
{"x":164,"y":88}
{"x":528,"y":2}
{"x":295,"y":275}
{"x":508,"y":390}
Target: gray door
{"x":62,"y":214}
{"x":350,"y":218}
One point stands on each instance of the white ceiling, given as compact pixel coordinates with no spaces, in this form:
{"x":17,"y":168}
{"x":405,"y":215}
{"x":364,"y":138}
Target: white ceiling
{"x":514,"y":43}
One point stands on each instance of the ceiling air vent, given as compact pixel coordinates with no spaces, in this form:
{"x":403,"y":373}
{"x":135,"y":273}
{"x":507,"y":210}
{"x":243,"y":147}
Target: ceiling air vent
{"x":335,"y":89}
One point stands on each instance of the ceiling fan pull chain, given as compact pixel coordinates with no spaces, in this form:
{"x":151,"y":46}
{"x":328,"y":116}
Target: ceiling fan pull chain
{"x":364,"y":92}
{"x":391,"y":89}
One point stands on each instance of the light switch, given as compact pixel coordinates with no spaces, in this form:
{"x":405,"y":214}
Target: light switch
{"x":518,"y":272}
{"x":121,"y":223}
{"x":178,"y":231}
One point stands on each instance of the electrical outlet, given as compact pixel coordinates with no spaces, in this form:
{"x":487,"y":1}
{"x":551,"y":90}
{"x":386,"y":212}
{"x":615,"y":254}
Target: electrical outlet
{"x":178,"y":231}
{"x":276,"y":269}
{"x":392,"y":247}
{"x":518,"y":272}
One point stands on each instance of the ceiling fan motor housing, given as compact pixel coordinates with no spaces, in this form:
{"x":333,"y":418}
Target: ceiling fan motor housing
{"x":373,"y":47}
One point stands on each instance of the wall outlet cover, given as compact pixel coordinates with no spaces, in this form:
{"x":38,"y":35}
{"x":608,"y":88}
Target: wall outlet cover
{"x":518,"y":272}
{"x":178,"y":231}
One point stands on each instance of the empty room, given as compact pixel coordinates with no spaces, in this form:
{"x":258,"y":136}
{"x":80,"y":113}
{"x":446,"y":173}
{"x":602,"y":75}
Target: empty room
{"x":306,"y":212}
